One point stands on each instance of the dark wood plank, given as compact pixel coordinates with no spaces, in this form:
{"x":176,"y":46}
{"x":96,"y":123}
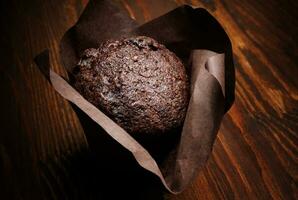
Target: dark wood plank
{"x":43,"y":150}
{"x":33,"y":127}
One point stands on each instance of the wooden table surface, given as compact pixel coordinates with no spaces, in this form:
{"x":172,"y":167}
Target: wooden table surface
{"x":43,"y":146}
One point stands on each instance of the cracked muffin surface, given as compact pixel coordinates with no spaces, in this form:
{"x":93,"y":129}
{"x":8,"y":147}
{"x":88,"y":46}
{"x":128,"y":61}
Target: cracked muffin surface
{"x":137,"y":82}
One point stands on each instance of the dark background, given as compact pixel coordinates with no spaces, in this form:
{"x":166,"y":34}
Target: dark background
{"x":43,"y":150}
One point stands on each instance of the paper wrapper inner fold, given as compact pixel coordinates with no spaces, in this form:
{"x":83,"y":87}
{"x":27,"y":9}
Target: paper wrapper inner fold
{"x":197,"y":38}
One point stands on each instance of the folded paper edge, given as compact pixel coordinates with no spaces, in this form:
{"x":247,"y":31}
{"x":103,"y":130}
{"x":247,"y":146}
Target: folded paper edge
{"x":141,"y":155}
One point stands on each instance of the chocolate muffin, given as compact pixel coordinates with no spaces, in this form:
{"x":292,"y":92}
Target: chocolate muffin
{"x":137,"y":82}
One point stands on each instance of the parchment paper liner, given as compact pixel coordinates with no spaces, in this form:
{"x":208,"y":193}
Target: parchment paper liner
{"x":198,"y":39}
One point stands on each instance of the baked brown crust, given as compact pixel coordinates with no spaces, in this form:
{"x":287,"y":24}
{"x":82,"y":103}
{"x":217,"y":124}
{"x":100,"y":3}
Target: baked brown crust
{"x":137,"y":82}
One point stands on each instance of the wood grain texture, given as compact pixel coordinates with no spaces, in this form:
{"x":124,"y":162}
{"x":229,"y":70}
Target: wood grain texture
{"x":43,"y":150}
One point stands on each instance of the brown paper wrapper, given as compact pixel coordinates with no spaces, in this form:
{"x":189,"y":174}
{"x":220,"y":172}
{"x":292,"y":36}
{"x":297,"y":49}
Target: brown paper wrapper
{"x":201,"y":43}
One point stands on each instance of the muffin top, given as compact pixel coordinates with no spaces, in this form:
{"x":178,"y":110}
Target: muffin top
{"x":137,"y":82}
